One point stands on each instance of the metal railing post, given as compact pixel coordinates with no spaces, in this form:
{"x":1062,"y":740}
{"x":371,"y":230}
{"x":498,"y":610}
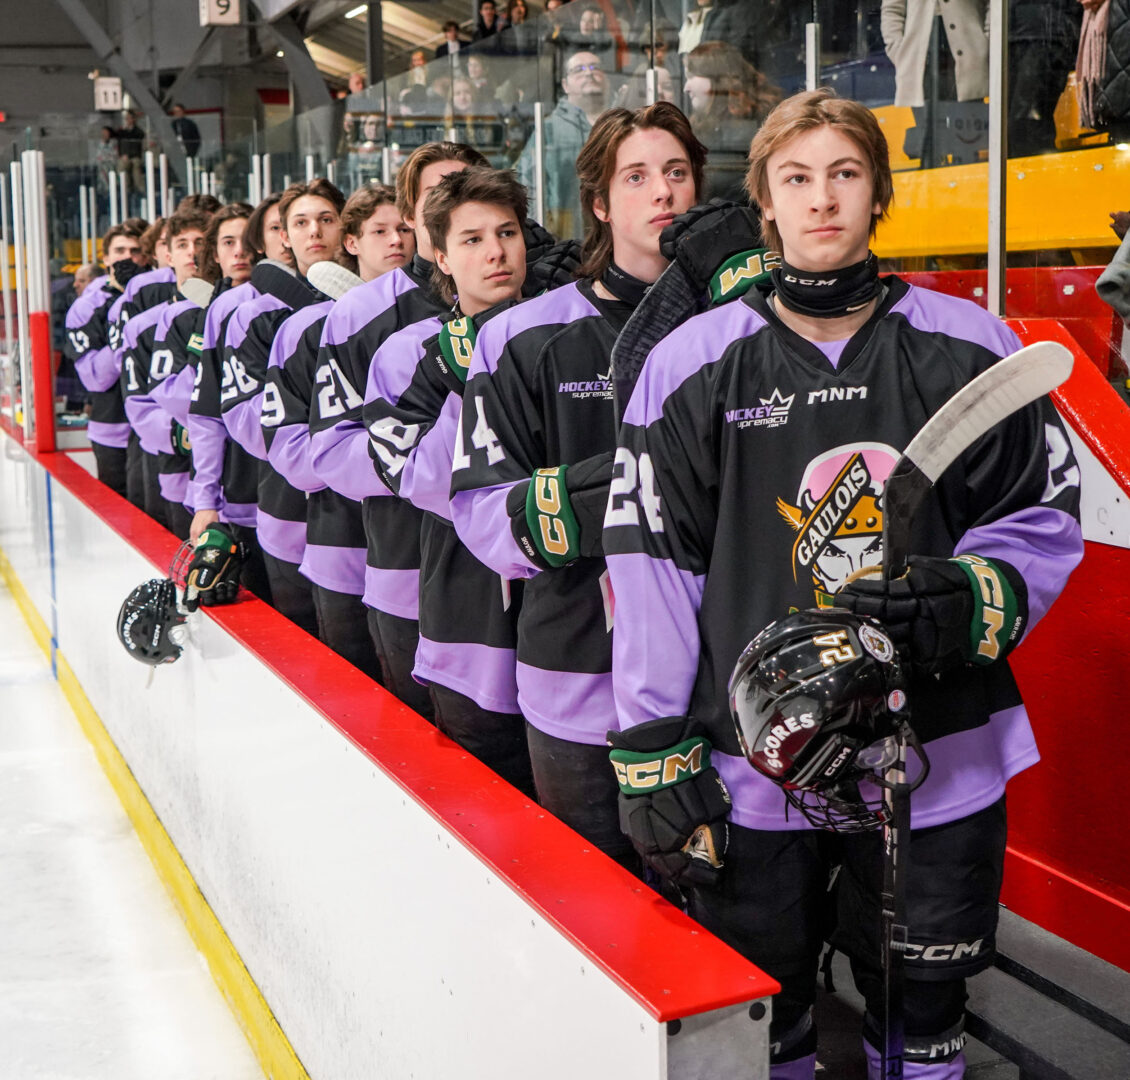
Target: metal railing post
{"x":996,"y":287}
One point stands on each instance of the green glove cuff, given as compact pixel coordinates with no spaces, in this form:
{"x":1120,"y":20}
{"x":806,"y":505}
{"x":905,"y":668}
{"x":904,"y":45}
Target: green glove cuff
{"x":644,"y":773}
{"x":456,"y":343}
{"x":550,"y":518}
{"x":997,"y":624}
{"x":182,"y":444}
{"x":741,"y":272}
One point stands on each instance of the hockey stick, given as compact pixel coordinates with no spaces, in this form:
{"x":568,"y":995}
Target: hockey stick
{"x":333,"y":280}
{"x":993,"y":396}
{"x":282,"y":282}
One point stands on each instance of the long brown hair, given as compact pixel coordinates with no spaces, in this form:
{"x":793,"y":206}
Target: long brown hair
{"x":359,"y":207}
{"x":408,"y":178}
{"x":596,"y":165}
{"x":210,"y":264}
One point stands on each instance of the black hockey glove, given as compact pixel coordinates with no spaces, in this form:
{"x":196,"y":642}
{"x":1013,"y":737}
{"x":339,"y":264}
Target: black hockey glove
{"x":182,"y":444}
{"x":539,"y":240}
{"x":703,"y":238}
{"x":213,"y":574}
{"x":557,"y":267}
{"x":945,"y":612}
{"x":673,"y":803}
{"x":123,"y":271}
{"x":559,"y":516}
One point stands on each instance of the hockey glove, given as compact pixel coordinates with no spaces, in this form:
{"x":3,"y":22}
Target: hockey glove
{"x":673,"y":803}
{"x":539,"y":240}
{"x":182,"y":444}
{"x":707,"y":235}
{"x":456,"y":345}
{"x":945,"y":612}
{"x":557,"y":267}
{"x":123,"y":270}
{"x":213,"y":574}
{"x":559,"y":516}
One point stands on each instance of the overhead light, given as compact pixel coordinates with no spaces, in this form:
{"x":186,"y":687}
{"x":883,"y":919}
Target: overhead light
{"x":280,"y":53}
{"x":359,"y":10}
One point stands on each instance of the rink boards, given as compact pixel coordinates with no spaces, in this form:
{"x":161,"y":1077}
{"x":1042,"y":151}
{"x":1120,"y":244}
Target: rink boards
{"x":373,"y":901}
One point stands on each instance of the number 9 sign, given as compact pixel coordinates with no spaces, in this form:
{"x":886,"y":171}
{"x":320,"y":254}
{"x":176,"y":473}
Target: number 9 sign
{"x":219,"y":12}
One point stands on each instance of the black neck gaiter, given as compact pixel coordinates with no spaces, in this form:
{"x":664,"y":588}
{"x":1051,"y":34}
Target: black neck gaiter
{"x":828,"y":294}
{"x":623,"y":286}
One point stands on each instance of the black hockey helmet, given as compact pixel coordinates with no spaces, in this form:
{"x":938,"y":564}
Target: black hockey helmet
{"x":150,"y":625}
{"x":819,"y":702}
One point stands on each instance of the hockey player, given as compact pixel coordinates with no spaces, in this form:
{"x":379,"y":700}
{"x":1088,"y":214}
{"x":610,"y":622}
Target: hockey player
{"x":225,"y":477}
{"x":375,"y":240}
{"x":531,"y":471}
{"x":310,"y":216}
{"x":468,"y":627}
{"x":359,"y":324}
{"x":749,"y":482}
{"x":89,"y":345}
{"x":148,"y":358}
{"x":149,"y":288}
{"x":374,"y":237}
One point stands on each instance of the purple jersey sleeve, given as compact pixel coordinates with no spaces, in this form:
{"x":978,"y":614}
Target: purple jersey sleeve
{"x":208,"y":436}
{"x":174,"y":394}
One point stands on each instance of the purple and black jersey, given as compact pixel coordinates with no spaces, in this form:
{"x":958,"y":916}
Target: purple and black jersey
{"x":539,"y":395}
{"x":334,"y":553}
{"x":171,"y":377}
{"x":251,"y":331}
{"x":748,"y":483}
{"x":225,"y":477}
{"x":97,"y":364}
{"x":468,"y":614}
{"x":360,"y":324}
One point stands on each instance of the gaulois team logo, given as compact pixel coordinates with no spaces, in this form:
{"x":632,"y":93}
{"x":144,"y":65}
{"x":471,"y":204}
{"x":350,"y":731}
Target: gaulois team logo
{"x":838,"y":515}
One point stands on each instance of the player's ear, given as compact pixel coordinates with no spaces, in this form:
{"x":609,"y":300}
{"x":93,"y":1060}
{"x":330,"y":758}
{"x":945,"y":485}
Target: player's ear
{"x":442,"y":263}
{"x":767,"y":211}
{"x":349,"y":242}
{"x":599,"y":210}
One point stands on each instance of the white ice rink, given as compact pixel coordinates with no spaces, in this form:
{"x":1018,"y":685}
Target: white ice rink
{"x":98,"y":976}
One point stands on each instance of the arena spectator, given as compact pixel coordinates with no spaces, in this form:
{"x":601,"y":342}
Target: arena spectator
{"x":520,"y":38}
{"x":106,"y":160}
{"x":488,"y":24}
{"x":727,"y":98}
{"x":186,"y":131}
{"x":906,"y":27}
{"x":565,"y":131}
{"x":1042,"y":42}
{"x":452,"y":42}
{"x":715,"y":20}
{"x":418,"y":67}
{"x":131,"y":144}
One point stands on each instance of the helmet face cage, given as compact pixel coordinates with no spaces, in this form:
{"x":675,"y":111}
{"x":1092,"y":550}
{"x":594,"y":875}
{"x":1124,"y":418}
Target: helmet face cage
{"x":178,"y":568}
{"x":818,"y":699}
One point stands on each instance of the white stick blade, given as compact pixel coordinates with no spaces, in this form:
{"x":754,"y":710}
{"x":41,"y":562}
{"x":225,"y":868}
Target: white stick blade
{"x":333,"y":280}
{"x":1007,"y":386}
{"x":198,"y":291}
